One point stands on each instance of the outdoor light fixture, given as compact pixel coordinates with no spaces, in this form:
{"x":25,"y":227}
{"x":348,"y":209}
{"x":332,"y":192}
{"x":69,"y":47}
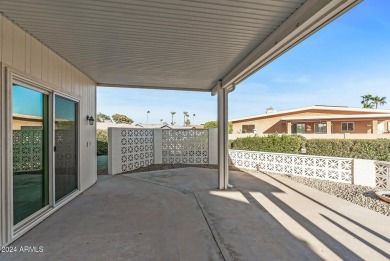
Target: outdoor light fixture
{"x":90,"y":119}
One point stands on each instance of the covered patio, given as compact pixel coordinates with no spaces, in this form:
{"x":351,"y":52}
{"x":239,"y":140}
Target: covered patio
{"x":178,"y":215}
{"x":61,"y":51}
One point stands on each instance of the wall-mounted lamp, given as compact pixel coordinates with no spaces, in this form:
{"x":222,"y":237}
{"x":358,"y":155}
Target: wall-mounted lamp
{"x":90,"y":119}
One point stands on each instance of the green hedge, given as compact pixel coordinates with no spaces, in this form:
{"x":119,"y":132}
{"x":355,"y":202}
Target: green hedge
{"x":271,"y":143}
{"x":362,"y":149}
{"x":102,"y":142}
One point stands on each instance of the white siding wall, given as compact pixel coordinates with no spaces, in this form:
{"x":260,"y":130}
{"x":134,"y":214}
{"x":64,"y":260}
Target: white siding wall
{"x":21,"y":52}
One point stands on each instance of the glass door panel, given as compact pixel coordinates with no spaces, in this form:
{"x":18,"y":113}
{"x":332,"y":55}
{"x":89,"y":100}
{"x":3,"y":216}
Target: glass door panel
{"x":30,"y":151}
{"x":66,"y":158}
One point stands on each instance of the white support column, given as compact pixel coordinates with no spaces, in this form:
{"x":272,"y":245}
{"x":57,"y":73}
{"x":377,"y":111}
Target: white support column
{"x":223,"y":167}
{"x":157,"y":146}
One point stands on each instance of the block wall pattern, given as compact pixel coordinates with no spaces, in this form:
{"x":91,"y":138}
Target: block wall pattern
{"x":185,"y":146}
{"x":137,"y":148}
{"x":326,"y":168}
{"x":382,"y":175}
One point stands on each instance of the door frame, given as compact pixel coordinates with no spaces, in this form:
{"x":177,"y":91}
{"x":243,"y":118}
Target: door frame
{"x":9,"y":231}
{"x":78,"y":148}
{"x":15,"y":78}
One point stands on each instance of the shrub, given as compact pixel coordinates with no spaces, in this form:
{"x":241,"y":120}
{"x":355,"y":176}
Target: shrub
{"x":362,"y":149}
{"x":102,"y":142}
{"x":271,"y":143}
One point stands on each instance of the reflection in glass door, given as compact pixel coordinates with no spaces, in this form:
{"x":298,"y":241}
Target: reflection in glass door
{"x":66,"y":163}
{"x":30,"y":151}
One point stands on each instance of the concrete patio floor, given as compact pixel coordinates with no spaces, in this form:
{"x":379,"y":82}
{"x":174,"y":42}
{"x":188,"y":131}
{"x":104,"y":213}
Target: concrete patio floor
{"x":179,"y":215}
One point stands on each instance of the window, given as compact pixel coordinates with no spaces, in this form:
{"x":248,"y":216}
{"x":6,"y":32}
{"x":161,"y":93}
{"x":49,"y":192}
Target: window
{"x":248,"y":128}
{"x":347,"y":126}
{"x":299,"y":128}
{"x":320,"y":127}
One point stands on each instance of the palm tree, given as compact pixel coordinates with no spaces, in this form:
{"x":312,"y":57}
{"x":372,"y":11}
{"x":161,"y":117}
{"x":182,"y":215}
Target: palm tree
{"x":185,"y":115}
{"x":161,"y":121}
{"x":173,"y":113}
{"x":367,"y":101}
{"x":193,"y":118}
{"x":147,"y":117}
{"x":378,"y":101}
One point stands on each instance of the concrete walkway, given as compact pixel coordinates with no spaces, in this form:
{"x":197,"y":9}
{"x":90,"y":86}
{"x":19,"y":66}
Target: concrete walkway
{"x":178,"y":215}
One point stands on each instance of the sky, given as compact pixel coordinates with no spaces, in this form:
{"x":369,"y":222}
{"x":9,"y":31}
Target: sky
{"x":26,"y":101}
{"x":348,"y":58}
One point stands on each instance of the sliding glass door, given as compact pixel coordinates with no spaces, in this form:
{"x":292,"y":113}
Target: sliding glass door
{"x":30,"y":129}
{"x":65,"y":138}
{"x":34,"y":134}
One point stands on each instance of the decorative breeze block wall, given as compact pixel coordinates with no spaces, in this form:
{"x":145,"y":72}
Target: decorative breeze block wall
{"x":27,"y":151}
{"x":185,"y":146}
{"x":382,"y":175}
{"x":327,"y":168}
{"x":130,"y":149}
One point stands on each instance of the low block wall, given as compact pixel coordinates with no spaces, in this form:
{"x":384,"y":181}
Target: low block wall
{"x":129,"y":149}
{"x":347,"y":170}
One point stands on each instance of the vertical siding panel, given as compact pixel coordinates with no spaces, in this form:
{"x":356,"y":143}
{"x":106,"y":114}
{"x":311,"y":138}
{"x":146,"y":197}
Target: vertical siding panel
{"x":66,"y":77}
{"x":45,"y":63}
{"x":54,"y":72}
{"x":28,"y":54}
{"x":60,"y":63}
{"x":79,"y":85}
{"x":7,"y":41}
{"x":74,"y":80}
{"x":1,"y":36}
{"x":19,"y":49}
{"x":36,"y":58}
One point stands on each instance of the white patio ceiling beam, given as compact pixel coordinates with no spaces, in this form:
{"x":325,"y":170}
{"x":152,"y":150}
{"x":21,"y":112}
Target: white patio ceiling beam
{"x":150,"y":87}
{"x":309,"y":18}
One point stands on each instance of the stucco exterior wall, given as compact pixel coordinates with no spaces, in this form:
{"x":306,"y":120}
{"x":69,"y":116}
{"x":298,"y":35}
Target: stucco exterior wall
{"x":274,"y":124}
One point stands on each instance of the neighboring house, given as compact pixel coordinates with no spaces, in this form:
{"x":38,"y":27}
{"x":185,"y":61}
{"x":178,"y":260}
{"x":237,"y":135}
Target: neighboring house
{"x":23,"y":122}
{"x":316,"y":120}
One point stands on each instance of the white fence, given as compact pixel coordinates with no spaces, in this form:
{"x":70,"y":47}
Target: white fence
{"x":185,"y":146}
{"x":129,"y":149}
{"x":326,"y":168}
{"x":382,"y":175}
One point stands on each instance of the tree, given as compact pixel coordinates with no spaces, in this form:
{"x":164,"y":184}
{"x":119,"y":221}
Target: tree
{"x":367,"y":101}
{"x":101,"y":117}
{"x":185,"y":115}
{"x":378,"y":101}
{"x":188,"y":122}
{"x":211,"y":125}
{"x":214,"y":124}
{"x":120,"y":118}
{"x":173,"y":113}
{"x":147,"y":117}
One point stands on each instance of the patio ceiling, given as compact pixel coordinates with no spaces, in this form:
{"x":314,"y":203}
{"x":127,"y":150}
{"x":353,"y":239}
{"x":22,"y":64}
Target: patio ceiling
{"x":174,"y":44}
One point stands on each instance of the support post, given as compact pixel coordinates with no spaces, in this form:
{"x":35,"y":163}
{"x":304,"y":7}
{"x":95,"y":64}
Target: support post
{"x":223,"y":167}
{"x":328,"y":127}
{"x":374,"y":128}
{"x":289,"y":127}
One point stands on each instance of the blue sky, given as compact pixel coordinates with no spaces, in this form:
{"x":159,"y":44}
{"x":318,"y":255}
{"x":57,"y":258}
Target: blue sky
{"x":348,"y":58}
{"x":26,"y":101}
